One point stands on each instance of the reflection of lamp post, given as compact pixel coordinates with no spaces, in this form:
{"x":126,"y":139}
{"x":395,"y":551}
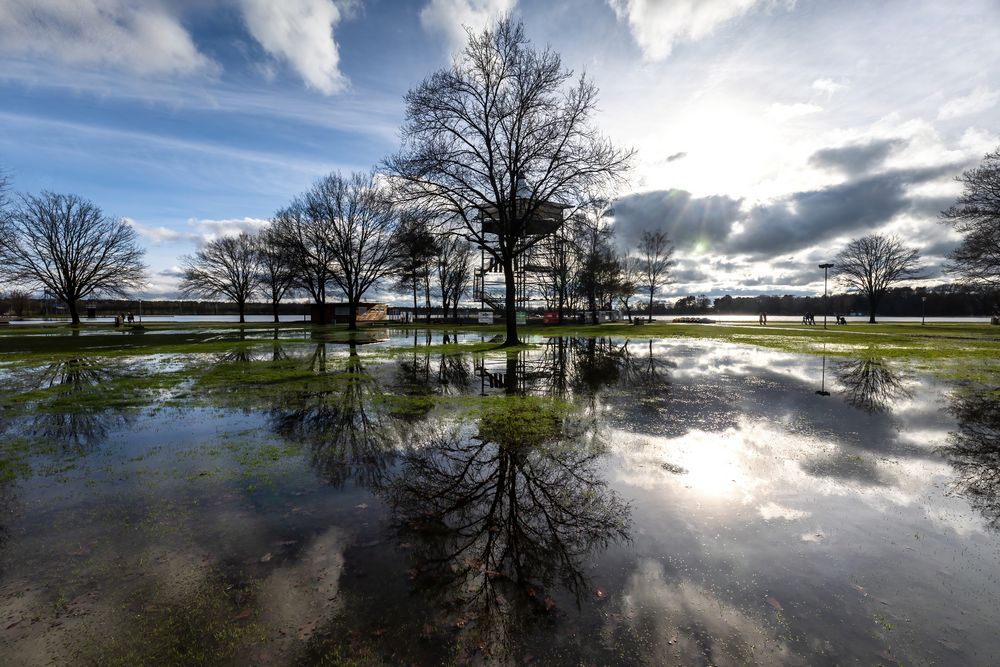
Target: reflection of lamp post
{"x":826,"y":267}
{"x":923,"y":310}
{"x":822,"y":383}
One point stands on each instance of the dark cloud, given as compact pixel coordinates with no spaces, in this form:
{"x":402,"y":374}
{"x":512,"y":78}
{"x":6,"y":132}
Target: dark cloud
{"x":804,"y":219}
{"x":686,"y":219}
{"x":676,"y":156}
{"x":856,"y":159}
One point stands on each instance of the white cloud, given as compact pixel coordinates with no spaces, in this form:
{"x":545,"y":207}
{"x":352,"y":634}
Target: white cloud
{"x":300,"y":32}
{"x":209,"y":230}
{"x":978,"y":100}
{"x":828,"y":86}
{"x":657,"y":25}
{"x":156,"y":235}
{"x":450,"y":17}
{"x":142,"y":37}
{"x":788,"y":111}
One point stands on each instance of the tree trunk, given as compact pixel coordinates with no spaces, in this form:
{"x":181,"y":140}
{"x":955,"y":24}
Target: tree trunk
{"x":242,"y":306}
{"x":651,"y":305}
{"x":352,"y":314}
{"x":414,"y":297}
{"x":74,"y":313}
{"x":562,"y":301}
{"x":872,"y":307}
{"x":427,"y":295}
{"x":510,"y":303}
{"x":274,"y":307}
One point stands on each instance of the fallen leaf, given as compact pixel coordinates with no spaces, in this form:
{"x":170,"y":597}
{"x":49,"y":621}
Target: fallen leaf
{"x":266,"y":557}
{"x":774,"y":603}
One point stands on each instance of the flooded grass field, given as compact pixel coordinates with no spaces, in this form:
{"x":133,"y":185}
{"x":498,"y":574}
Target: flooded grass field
{"x":416,"y":497}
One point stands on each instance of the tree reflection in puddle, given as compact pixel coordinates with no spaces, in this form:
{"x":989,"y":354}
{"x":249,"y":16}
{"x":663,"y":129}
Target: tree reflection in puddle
{"x":869,"y":384}
{"x":347,"y":436}
{"x":504,"y":520}
{"x":974,"y":450}
{"x":68,"y":415}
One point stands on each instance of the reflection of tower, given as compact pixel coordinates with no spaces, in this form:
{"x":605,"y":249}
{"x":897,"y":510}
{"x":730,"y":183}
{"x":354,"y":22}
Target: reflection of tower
{"x":539,"y":243}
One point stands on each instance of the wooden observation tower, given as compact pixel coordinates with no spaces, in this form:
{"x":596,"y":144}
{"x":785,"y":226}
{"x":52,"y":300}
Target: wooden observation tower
{"x":546,"y":220}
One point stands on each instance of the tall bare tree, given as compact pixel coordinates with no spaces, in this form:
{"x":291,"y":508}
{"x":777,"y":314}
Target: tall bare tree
{"x":656,"y":252}
{"x":227,"y":266}
{"x":361,"y":222}
{"x":599,"y":272}
{"x":453,"y":266}
{"x":503,"y":134}
{"x":4,"y":207}
{"x":306,"y":238}
{"x":976,"y":215}
{"x":277,"y":268}
{"x":68,"y":246}
{"x":631,"y":274}
{"x":417,"y":249}
{"x":874,"y":263}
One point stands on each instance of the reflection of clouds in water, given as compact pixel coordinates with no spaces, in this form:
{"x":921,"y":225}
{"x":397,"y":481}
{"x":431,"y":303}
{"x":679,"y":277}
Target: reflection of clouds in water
{"x":763,"y":464}
{"x":674,"y":621}
{"x":712,"y":359}
{"x":772,"y":510}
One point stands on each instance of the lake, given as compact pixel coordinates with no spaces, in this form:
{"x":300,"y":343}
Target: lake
{"x":419,"y":500}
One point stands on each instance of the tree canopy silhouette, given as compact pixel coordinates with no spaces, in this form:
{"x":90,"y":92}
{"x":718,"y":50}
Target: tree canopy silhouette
{"x":502,"y":134}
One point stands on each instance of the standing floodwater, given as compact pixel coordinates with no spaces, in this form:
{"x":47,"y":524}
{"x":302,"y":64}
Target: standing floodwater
{"x":421,"y":500}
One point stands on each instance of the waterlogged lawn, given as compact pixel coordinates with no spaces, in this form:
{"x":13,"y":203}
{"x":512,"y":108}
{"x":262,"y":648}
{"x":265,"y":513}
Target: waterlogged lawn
{"x":664,"y":494}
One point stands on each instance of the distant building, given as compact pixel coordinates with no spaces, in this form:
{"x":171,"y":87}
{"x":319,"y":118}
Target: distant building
{"x":339,"y":313}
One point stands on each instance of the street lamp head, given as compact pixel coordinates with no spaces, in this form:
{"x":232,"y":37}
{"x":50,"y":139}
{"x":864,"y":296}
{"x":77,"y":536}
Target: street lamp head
{"x":826,"y":266}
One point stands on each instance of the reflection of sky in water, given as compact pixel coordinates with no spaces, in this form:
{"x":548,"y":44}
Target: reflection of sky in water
{"x":767,"y":524}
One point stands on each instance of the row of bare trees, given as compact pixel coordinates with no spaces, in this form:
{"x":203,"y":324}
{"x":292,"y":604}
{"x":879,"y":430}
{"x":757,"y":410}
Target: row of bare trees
{"x":342,"y":234}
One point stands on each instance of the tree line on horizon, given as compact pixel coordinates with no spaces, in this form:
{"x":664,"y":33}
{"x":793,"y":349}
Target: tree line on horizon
{"x":504,"y":135}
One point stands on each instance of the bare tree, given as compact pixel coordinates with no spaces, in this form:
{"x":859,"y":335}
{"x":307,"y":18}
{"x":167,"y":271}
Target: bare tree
{"x":4,"y":208}
{"x":656,"y":252}
{"x":307,"y":240}
{"x":503,"y":136}
{"x":599,"y":271}
{"x":66,"y":245}
{"x":18,"y":300}
{"x":976,"y":215}
{"x":361,"y":221}
{"x":228,"y":266}
{"x":417,"y":250}
{"x":276,"y":262}
{"x":631,"y":274}
{"x":874,"y":263}
{"x":453,"y":265}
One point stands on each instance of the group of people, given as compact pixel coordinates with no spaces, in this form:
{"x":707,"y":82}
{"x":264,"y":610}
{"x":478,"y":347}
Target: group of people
{"x":122,"y":318}
{"x":808,"y":318}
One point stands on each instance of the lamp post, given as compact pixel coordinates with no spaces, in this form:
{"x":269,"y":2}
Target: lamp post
{"x":923,"y":310}
{"x":826,"y":267}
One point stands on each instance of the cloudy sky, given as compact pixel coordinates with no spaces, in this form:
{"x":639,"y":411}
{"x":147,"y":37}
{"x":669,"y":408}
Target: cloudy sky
{"x":768,"y":131}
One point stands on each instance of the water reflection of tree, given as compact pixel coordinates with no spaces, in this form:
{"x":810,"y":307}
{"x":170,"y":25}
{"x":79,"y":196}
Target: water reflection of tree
{"x":869,"y":384}
{"x":974,"y":451}
{"x":62,"y":419}
{"x":347,"y":436}
{"x":502,"y":520}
